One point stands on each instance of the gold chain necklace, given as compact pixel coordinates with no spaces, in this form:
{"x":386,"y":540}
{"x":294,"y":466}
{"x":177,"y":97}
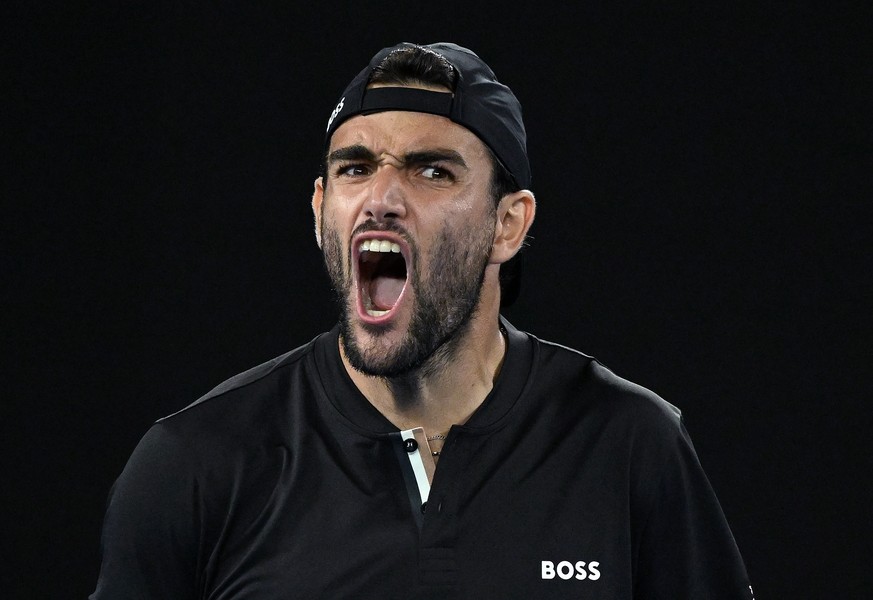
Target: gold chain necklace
{"x":438,"y":436}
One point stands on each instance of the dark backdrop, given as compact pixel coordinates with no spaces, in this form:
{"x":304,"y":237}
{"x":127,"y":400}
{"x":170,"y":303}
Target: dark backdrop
{"x":703,"y":179}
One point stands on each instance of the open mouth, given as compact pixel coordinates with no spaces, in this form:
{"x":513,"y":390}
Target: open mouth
{"x":382,"y":276}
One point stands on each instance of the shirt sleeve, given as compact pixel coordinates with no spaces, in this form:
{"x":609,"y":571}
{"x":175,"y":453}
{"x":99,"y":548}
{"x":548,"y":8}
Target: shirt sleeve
{"x":151,"y":531}
{"x":687,"y":550}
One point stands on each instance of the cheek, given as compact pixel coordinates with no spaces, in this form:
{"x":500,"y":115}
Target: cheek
{"x":466,"y":238}
{"x":332,"y":239}
{"x":474,"y":221}
{"x":331,"y":218}
{"x":340,"y":214}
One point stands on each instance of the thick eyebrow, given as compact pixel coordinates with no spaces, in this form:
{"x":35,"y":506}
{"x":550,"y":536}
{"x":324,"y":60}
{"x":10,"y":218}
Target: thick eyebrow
{"x":355,"y":152}
{"x":361,"y":152}
{"x":424,"y":157}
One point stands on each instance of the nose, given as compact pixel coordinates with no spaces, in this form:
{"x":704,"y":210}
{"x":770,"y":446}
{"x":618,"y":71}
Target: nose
{"x":386,"y":198}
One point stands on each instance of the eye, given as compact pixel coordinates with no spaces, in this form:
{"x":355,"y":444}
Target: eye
{"x":352,"y":170}
{"x":437,"y":173}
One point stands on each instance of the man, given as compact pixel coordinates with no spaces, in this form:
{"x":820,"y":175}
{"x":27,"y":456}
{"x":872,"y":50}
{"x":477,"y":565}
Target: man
{"x":424,"y":448}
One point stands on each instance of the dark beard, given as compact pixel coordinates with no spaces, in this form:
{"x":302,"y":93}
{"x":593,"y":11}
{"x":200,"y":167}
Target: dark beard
{"x":444,"y":304}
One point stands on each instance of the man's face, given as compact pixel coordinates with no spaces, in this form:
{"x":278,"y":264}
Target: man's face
{"x":407,"y":225}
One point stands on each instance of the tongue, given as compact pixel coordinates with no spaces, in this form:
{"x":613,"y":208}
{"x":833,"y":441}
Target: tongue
{"x":384,"y":291}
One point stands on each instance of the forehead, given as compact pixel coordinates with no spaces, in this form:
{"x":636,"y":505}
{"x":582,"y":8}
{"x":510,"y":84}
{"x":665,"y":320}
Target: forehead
{"x":398,"y":132}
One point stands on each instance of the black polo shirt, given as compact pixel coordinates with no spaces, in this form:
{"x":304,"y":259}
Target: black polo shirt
{"x":285,"y":482}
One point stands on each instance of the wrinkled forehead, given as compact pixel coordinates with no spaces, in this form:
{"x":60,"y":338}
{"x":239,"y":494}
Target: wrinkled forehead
{"x":400,"y":132}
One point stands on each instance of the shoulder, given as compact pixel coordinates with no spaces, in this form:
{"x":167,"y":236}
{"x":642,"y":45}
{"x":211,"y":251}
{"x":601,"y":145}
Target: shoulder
{"x":631,"y":423}
{"x":246,"y":396}
{"x":247,"y":410}
{"x":250,"y":380}
{"x":584,"y":380}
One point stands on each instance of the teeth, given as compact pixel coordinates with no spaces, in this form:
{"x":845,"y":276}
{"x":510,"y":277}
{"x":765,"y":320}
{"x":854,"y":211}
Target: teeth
{"x":380,"y":246}
{"x":376,"y":313}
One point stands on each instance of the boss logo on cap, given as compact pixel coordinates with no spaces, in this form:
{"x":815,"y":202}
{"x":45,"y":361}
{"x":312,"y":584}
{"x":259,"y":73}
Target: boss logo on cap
{"x":335,"y":112}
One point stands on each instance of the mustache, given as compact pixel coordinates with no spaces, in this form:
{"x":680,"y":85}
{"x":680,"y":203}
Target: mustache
{"x":368,"y":226}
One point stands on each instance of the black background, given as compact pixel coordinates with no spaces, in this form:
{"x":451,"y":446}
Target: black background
{"x":703,"y":179}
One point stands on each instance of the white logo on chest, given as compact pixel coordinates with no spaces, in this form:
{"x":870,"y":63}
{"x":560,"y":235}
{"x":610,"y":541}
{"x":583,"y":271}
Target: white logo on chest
{"x":567,"y":570}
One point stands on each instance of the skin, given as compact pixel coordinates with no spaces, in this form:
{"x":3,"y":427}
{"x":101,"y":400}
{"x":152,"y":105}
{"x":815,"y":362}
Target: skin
{"x":391,"y":181}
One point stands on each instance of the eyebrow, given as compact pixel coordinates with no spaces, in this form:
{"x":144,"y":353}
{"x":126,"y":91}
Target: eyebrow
{"x":355,"y":152}
{"x":361,"y":152}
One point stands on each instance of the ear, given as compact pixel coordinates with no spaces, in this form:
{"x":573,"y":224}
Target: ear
{"x":317,"y":199}
{"x":515,"y":215}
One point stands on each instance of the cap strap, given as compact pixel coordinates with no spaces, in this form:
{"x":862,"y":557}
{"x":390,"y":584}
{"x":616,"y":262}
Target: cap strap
{"x":405,"y":98}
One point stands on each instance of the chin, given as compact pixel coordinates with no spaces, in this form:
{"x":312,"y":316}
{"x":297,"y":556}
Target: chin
{"x":382,"y":351}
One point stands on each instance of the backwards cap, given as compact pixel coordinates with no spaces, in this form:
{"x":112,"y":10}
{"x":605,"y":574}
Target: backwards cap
{"x":479,"y":102}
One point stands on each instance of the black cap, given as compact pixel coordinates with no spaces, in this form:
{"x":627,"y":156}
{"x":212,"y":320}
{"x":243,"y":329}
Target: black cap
{"x":479,"y":102}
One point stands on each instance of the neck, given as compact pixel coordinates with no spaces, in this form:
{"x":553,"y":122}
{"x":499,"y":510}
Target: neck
{"x":448,"y":389}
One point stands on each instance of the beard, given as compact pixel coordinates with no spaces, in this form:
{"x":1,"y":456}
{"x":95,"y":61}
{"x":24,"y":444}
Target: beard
{"x":446,"y":297}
